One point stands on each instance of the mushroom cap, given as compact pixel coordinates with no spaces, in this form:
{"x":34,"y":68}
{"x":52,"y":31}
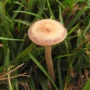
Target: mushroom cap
{"x":47,"y":32}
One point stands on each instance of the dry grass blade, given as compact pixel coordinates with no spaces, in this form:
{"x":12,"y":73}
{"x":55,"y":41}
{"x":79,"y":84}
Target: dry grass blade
{"x":12,"y":77}
{"x":9,"y":80}
{"x":11,"y":71}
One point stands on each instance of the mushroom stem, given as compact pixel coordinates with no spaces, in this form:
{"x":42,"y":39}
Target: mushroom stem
{"x":49,"y":62}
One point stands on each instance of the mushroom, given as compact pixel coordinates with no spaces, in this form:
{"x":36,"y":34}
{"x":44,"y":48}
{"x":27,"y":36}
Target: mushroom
{"x":47,"y":32}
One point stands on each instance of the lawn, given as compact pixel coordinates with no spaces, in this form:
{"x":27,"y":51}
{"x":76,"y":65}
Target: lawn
{"x":22,"y":62}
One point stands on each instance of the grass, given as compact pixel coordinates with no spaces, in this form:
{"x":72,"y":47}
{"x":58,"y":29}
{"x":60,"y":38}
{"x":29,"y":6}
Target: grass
{"x":22,"y":63}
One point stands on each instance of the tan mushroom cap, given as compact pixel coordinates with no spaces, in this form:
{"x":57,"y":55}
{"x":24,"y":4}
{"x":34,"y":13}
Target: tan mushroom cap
{"x":47,"y":32}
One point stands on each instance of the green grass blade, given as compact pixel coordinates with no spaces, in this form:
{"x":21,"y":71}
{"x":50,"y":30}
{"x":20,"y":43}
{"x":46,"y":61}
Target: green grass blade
{"x":72,"y":30}
{"x":86,"y":29}
{"x":29,"y":13}
{"x":22,"y":22}
{"x":87,"y":85}
{"x":32,"y":84}
{"x":10,"y":39}
{"x":7,"y":58}
{"x":42,"y":69}
{"x":77,"y":16}
{"x":41,"y":6}
{"x":43,"y":82}
{"x":60,"y":4}
{"x":60,"y":15}
{"x":21,"y":57}
{"x":59,"y":75}
{"x":51,"y":13}
{"x":15,"y":14}
{"x":20,"y":4}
